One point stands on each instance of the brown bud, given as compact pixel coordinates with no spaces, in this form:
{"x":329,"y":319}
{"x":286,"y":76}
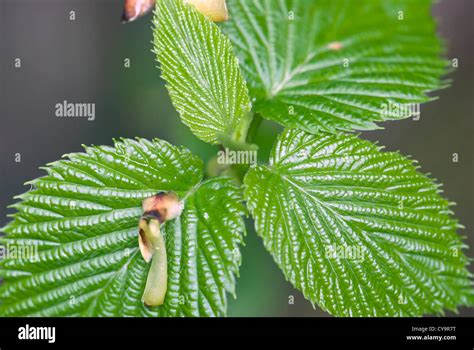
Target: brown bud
{"x":215,"y":10}
{"x":163,"y":206}
{"x":146,"y":235}
{"x":133,"y":9}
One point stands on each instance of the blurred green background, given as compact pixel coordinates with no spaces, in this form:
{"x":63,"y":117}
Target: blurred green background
{"x":83,"y":61}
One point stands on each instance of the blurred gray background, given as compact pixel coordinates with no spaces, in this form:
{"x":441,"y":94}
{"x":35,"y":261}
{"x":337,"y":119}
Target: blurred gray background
{"x":83,"y":61}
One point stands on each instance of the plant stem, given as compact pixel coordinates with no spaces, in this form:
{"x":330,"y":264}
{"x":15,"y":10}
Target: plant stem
{"x":157,"y":280}
{"x":254,"y":126}
{"x":236,"y":139}
{"x":239,"y":140}
{"x":240,"y":134}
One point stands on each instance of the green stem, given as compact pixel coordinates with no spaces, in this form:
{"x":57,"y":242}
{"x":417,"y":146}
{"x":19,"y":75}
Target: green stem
{"x":237,"y":139}
{"x":254,"y":126}
{"x":157,"y":280}
{"x":240,"y":134}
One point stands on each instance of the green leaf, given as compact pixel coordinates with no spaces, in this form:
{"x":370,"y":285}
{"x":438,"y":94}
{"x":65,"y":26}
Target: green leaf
{"x":202,"y":73}
{"x":359,"y":231}
{"x":83,"y":217}
{"x":336,"y":65}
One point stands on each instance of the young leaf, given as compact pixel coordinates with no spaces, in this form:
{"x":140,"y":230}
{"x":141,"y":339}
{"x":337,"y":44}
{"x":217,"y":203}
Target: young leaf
{"x":336,"y":65}
{"x":359,"y":231}
{"x":202,"y":74}
{"x":83,"y":217}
